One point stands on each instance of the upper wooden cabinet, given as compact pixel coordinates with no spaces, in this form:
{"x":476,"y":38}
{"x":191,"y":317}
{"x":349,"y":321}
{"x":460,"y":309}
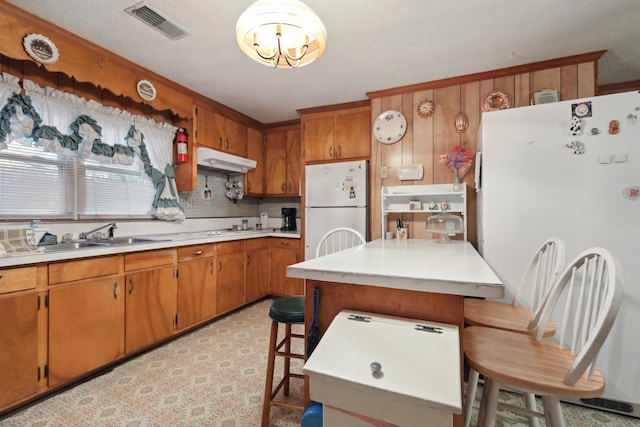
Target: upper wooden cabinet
{"x":254,"y":179}
{"x":220,"y":133}
{"x":282,"y":163}
{"x":337,"y":135}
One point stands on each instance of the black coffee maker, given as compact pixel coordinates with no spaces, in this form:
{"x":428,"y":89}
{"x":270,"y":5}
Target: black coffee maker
{"x":288,"y":219}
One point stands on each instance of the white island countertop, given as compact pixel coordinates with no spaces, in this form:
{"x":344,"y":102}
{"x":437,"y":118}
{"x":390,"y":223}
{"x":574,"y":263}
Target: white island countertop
{"x":414,"y":264}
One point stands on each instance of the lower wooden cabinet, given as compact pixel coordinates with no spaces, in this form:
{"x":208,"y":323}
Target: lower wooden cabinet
{"x":196,"y":284}
{"x":19,"y":349}
{"x":257,"y":269}
{"x":285,"y":252}
{"x":86,"y":327}
{"x":66,"y":319}
{"x":230,"y":292}
{"x":151,"y":298}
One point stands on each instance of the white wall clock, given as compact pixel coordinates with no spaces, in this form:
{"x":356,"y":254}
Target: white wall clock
{"x":390,"y":127}
{"x":40,"y":48}
{"x":146,"y":90}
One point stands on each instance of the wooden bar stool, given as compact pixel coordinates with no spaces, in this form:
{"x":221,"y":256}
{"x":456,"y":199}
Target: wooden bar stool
{"x":290,"y":311}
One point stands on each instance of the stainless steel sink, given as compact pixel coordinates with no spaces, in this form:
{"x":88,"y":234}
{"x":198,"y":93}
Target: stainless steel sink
{"x":126,"y":241}
{"x":84,"y":244}
{"x":69,"y":246}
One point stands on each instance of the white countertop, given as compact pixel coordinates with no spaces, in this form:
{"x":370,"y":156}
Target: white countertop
{"x":161,"y":241}
{"x":412,"y":264}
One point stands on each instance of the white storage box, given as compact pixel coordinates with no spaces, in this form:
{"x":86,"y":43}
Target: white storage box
{"x":419,"y":383}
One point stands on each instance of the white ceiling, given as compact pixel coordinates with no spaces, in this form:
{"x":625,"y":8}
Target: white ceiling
{"x":372,"y":44}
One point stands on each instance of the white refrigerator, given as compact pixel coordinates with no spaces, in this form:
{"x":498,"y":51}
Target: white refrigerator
{"x":539,"y":177}
{"x":336,"y":195}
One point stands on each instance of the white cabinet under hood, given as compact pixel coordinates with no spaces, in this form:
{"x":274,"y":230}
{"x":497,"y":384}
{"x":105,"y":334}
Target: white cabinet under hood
{"x":210,"y":159}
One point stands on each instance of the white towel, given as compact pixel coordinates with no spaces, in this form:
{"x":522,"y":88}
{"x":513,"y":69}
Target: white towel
{"x":18,"y":241}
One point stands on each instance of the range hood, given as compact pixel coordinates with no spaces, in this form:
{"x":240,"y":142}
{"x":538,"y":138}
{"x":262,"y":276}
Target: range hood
{"x":210,"y":159}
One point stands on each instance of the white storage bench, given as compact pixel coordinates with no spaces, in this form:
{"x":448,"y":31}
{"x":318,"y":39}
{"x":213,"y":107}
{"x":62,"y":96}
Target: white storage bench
{"x":416,"y":381}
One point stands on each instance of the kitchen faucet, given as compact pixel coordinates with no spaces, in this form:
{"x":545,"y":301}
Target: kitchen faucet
{"x":112,"y":226}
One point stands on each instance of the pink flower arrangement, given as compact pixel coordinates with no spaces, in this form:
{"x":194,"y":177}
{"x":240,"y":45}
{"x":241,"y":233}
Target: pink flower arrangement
{"x":458,"y":158}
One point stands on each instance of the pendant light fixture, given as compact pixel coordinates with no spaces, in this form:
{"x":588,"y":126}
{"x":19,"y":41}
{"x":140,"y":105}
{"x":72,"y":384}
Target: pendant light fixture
{"x":281,"y":33}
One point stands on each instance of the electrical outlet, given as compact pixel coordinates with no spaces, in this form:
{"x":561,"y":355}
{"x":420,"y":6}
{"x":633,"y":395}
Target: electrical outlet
{"x":384,"y":172}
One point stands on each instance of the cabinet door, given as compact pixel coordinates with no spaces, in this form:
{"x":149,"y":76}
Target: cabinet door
{"x":19,"y":349}
{"x":318,"y":138}
{"x":86,"y":327}
{"x":293,"y":162}
{"x":254,"y":179}
{"x":257,"y":281}
{"x":276,"y":163}
{"x":235,"y":138}
{"x":150,"y":307}
{"x":280,"y":283}
{"x":196,"y":292}
{"x":230,"y":291}
{"x":353,"y":135}
{"x":209,"y":129}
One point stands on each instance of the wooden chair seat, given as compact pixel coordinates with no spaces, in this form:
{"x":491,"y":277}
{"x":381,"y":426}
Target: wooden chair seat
{"x":586,"y":297}
{"x":523,"y":362}
{"x":500,"y":315}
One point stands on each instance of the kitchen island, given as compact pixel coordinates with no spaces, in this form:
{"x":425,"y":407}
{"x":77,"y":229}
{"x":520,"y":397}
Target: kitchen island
{"x":414,"y":278}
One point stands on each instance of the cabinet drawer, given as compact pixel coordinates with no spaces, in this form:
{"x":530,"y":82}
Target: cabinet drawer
{"x":189,"y":253}
{"x":231,"y":247}
{"x":83,"y":269}
{"x":140,"y":260}
{"x":18,"y":279}
{"x":262,"y":243}
{"x":283,"y":242}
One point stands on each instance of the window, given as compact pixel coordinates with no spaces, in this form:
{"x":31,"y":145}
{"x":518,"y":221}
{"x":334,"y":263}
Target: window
{"x":38,"y":184}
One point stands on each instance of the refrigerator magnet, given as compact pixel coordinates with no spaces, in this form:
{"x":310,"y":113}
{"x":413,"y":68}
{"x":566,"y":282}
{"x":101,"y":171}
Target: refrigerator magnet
{"x":631,"y":193}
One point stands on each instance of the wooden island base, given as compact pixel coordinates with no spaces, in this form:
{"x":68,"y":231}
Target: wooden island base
{"x":335,"y":297}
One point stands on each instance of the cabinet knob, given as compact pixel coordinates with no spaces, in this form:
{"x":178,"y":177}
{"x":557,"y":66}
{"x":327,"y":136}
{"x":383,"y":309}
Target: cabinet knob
{"x":339,"y":151}
{"x":330,"y":151}
{"x":131,"y":288}
{"x":196,"y":253}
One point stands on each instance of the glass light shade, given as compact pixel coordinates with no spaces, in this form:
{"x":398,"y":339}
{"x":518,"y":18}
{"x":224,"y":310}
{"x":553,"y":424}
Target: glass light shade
{"x":295,"y":22}
{"x":444,"y":224}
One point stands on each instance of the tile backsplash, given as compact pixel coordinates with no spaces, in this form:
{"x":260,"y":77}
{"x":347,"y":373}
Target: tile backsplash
{"x":219,"y":206}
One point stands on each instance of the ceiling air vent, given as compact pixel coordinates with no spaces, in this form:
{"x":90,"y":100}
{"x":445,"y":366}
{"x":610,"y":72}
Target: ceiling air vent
{"x":154,"y":19}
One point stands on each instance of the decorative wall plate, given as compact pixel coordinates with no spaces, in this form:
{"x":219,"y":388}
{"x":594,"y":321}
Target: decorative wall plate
{"x":146,"y":90}
{"x":40,"y":48}
{"x":390,"y":127}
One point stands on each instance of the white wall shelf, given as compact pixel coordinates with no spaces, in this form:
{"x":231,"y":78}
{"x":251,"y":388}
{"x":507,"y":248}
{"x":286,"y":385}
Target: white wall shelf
{"x":397,"y":199}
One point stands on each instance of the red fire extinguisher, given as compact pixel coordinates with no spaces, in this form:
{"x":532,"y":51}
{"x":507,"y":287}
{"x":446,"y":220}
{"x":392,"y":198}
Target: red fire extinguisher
{"x":181,"y":138}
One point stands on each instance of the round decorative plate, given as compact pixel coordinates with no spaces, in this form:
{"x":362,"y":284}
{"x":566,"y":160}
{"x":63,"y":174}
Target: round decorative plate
{"x":146,"y":90}
{"x":40,"y":48}
{"x":390,"y":127}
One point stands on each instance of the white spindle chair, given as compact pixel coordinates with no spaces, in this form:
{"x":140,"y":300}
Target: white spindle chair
{"x":535,"y":283}
{"x":589,"y":293}
{"x":339,"y":239}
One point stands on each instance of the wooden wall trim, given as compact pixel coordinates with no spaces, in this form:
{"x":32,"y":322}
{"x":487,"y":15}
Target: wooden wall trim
{"x":486,"y":75}
{"x":334,"y":107}
{"x":618,"y":87}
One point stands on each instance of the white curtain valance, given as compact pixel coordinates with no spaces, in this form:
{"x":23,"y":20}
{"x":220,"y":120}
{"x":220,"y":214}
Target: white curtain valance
{"x":104,"y":134}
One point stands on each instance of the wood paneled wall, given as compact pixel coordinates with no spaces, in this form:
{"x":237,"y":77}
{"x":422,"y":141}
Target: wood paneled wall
{"x":428,"y":138}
